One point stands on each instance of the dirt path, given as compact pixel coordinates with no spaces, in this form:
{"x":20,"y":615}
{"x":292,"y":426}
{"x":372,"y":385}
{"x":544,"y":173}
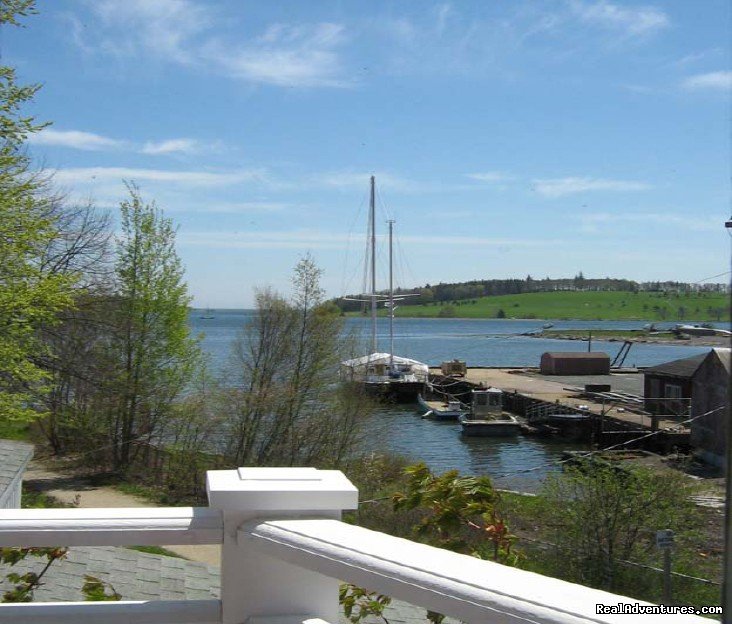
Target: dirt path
{"x":81,"y":492}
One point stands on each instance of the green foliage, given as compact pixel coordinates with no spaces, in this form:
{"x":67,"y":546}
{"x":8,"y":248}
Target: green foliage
{"x":585,"y":305}
{"x":34,"y":499}
{"x":30,"y":295}
{"x":25,"y":584}
{"x":359,"y":603}
{"x":284,"y":407}
{"x":604,"y":514}
{"x":461,"y":513}
{"x":454,"y":512}
{"x":152,"y":355}
{"x":97,"y":590}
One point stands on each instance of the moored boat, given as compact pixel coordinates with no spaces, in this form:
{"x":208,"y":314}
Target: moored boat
{"x":384,"y":374}
{"x":487,"y":418}
{"x":387,"y":375}
{"x":440,"y":410}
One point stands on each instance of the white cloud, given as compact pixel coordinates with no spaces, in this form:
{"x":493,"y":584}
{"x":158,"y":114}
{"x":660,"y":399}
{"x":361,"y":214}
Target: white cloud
{"x":74,"y":139}
{"x":171,"y":146}
{"x":632,"y":21}
{"x":164,"y":28}
{"x":181,"y":32}
{"x":559,"y":187}
{"x":193,"y":178}
{"x":291,"y":56}
{"x":712,"y":80}
{"x":490,"y":176}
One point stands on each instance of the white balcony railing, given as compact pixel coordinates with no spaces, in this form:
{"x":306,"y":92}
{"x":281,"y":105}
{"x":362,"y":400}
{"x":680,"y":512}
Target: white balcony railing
{"x":284,"y":551}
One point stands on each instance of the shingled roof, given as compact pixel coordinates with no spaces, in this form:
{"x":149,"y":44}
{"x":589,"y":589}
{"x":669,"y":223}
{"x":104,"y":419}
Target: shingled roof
{"x":683,"y":368}
{"x":142,"y":576}
{"x":14,"y":457}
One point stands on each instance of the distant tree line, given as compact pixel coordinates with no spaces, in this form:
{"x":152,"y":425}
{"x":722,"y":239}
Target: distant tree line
{"x":474,"y":289}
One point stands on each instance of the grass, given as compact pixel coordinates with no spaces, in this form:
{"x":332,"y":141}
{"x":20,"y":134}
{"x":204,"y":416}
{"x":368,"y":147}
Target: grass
{"x":154,"y":495}
{"x":33,"y":499}
{"x":15,"y":430}
{"x":156,"y":550}
{"x":649,"y":306}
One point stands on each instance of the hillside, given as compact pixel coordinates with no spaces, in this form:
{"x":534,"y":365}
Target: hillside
{"x":583,"y":305}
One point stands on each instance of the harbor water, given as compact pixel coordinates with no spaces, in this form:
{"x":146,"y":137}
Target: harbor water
{"x":516,"y":463}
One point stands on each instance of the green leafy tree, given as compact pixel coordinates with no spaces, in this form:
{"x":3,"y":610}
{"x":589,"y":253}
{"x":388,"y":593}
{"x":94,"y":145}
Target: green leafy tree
{"x":154,"y":357}
{"x":31,"y":296}
{"x":283,"y":404}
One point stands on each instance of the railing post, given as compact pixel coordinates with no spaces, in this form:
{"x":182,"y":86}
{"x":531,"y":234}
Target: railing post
{"x":257,"y":585}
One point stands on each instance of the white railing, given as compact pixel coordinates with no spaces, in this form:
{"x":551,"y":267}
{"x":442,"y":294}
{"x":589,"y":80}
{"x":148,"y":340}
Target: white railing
{"x":141,"y":526}
{"x":283,"y":547}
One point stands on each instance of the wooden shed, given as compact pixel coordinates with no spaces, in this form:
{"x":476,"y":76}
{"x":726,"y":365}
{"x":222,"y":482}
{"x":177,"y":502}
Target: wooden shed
{"x":668,"y":387}
{"x":575,"y":363}
{"x":709,"y":430}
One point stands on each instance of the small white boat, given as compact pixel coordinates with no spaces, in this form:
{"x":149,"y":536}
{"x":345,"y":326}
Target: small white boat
{"x":487,"y":418}
{"x":439,"y":410}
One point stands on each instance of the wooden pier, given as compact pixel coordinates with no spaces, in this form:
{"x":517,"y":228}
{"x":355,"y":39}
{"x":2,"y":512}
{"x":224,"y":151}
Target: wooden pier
{"x":605,"y":418}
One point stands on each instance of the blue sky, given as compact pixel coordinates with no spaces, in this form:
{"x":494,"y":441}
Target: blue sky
{"x":507,"y":138}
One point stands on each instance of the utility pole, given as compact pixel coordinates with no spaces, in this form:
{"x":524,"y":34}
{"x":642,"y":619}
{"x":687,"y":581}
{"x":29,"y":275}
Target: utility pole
{"x":727,"y":578}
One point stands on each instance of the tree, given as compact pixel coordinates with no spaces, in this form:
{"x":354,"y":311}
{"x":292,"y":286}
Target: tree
{"x":31,"y":295}
{"x":286,"y":409}
{"x":601,"y":515}
{"x":152,"y":355}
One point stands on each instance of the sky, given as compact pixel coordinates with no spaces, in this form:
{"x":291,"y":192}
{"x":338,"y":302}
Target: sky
{"x":541,"y":137}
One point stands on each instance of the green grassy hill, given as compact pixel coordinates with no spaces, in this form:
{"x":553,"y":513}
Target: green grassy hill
{"x":650,"y":306}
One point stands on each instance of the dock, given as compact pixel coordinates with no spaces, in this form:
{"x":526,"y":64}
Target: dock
{"x":615,"y":416}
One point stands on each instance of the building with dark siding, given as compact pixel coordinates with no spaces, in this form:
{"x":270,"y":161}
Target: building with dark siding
{"x":710,"y":407}
{"x":668,"y":387}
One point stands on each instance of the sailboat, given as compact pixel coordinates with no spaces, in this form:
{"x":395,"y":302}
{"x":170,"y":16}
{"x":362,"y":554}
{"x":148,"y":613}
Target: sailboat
{"x":384,"y":374}
{"x":207,"y":315}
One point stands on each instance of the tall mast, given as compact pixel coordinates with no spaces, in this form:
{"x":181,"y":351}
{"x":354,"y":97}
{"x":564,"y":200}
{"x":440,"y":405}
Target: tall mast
{"x":372,"y":228}
{"x":391,"y":296}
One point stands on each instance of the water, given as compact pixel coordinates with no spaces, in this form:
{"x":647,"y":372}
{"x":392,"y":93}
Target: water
{"x":480,"y":342}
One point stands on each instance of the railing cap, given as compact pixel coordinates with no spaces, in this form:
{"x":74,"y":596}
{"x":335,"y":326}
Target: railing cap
{"x":280,"y":489}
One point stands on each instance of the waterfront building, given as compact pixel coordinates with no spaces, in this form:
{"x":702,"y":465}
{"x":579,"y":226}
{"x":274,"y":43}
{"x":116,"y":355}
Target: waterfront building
{"x":709,"y":394}
{"x":668,"y":387}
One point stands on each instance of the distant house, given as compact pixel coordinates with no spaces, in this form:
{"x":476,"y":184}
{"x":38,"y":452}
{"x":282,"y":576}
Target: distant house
{"x":14,"y":457}
{"x":668,"y":387}
{"x":710,"y":392}
{"x":575,"y":363}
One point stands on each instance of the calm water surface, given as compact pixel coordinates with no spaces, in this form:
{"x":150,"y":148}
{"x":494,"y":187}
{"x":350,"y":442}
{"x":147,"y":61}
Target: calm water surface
{"x":480,"y":342}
